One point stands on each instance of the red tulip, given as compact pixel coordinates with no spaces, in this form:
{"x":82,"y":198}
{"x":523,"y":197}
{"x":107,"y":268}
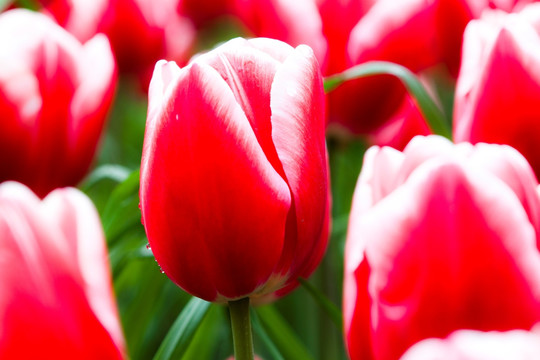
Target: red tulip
{"x":54,"y":97}
{"x":418,"y":34}
{"x":234,"y":190}
{"x":56,"y":299}
{"x":203,"y":12}
{"x":477,"y":345}
{"x":294,"y":22}
{"x":498,"y":87}
{"x":338,"y":19}
{"x":141,"y":32}
{"x":79,"y":17}
{"x":404,"y":125}
{"x":441,"y":237}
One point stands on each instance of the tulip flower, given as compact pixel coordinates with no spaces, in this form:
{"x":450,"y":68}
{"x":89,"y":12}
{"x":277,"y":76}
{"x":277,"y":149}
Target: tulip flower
{"x":424,"y":36}
{"x":499,"y":83}
{"x":477,"y":345}
{"x":234,"y":188}
{"x":294,"y":22}
{"x":338,"y":19}
{"x":441,"y":237}
{"x":140,"y":32}
{"x":56,"y":299}
{"x":404,"y":125}
{"x":55,"y":94}
{"x":203,"y":12}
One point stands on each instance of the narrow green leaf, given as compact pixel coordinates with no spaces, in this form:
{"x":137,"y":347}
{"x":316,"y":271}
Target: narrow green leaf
{"x":282,"y":335}
{"x":182,"y":331}
{"x":116,"y":173}
{"x":262,"y":334}
{"x":431,"y":112}
{"x":329,"y":308}
{"x":122,"y":212}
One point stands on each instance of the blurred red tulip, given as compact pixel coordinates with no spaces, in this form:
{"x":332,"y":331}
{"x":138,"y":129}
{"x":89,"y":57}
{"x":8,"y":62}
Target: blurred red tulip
{"x":54,"y":98}
{"x":404,"y":125}
{"x":477,"y":345}
{"x":498,"y":89}
{"x":441,"y":237}
{"x":418,"y":34}
{"x":294,"y":22}
{"x":338,"y":19}
{"x":141,"y":32}
{"x":56,"y":298}
{"x":202,"y":12}
{"x":234,"y":189}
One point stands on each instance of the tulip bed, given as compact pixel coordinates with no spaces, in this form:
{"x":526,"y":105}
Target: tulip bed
{"x":247,"y":179}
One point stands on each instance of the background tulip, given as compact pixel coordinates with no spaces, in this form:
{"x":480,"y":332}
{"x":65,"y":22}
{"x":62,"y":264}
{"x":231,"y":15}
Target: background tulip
{"x":477,"y":345}
{"x":424,"y":36}
{"x":234,"y":191}
{"x":441,"y":237}
{"x":56,"y":299}
{"x":141,"y":32}
{"x":499,"y":83}
{"x":54,"y":97}
{"x":278,"y":19}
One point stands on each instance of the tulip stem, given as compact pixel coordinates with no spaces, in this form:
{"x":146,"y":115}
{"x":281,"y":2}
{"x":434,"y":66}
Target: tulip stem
{"x":241,"y":329}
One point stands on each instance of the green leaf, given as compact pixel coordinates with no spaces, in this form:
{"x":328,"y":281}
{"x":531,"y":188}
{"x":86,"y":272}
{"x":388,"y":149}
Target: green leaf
{"x":329,"y":308}
{"x":181,"y":333}
{"x":116,"y":173}
{"x":431,"y":112}
{"x":282,"y":335}
{"x":121,"y":213}
{"x":263,"y":335}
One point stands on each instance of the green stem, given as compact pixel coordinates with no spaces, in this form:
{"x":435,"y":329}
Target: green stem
{"x":241,"y":329}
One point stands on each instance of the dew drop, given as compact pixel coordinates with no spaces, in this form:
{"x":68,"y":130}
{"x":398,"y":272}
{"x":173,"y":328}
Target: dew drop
{"x":148,"y":247}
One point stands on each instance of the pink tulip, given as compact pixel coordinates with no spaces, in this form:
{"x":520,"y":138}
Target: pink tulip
{"x":477,"y":345}
{"x":441,"y":237}
{"x":54,"y":98}
{"x":499,"y":83}
{"x":234,"y":189}
{"x":56,"y":299}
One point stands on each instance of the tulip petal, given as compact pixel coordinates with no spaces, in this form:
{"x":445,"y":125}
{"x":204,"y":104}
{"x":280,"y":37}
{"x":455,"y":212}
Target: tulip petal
{"x":498,"y":104}
{"x":77,"y":218}
{"x":43,"y":305}
{"x":447,"y":255}
{"x":202,"y":141}
{"x":297,"y":130}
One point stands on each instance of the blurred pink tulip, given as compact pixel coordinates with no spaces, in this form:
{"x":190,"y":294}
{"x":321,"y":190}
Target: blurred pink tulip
{"x":441,"y":237}
{"x":477,"y":345}
{"x":56,"y":298}
{"x":234,"y":179}
{"x":498,"y":88}
{"x":54,"y":98}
